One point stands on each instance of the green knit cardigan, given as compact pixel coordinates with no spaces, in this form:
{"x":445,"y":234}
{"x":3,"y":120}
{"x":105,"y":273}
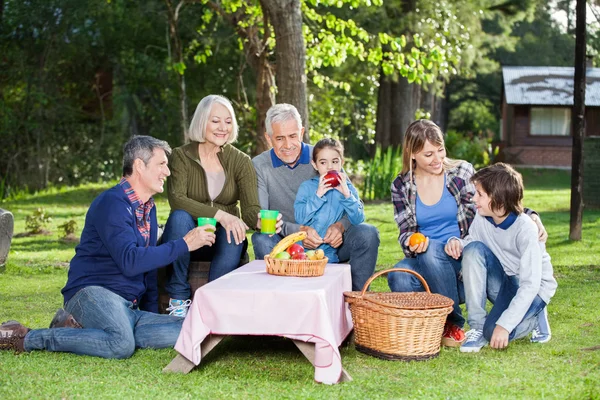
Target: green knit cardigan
{"x":187,"y":188}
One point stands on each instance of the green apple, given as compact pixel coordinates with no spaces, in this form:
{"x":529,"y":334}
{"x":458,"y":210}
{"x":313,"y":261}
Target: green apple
{"x":310,"y":254}
{"x":284,"y":255}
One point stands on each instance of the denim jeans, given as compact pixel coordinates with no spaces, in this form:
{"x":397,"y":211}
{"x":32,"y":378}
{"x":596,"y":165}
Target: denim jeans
{"x":360,"y":247}
{"x":224,"y":257}
{"x":440,"y":271}
{"x":112,"y":327}
{"x":485,"y":279}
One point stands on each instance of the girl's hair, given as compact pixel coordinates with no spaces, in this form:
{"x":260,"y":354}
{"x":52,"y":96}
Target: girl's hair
{"x":328,"y":143}
{"x":503,"y":185}
{"x":202,"y":114}
{"x":417,"y":133}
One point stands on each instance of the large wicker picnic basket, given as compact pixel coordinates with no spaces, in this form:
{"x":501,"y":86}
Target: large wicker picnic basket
{"x":303,"y":268}
{"x":398,"y":326}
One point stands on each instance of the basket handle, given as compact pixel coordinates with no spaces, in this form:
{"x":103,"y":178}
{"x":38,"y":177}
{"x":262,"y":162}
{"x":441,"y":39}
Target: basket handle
{"x":385,"y":271}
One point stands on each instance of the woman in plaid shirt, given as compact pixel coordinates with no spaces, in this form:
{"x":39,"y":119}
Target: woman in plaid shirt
{"x":439,"y":191}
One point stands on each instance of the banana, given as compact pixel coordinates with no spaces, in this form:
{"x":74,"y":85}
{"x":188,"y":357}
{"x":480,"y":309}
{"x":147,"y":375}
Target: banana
{"x":287,"y":242}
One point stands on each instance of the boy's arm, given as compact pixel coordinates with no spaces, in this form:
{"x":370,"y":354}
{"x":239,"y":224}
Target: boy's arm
{"x":530,"y":278}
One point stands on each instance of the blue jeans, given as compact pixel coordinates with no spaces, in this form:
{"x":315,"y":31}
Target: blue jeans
{"x":360,"y":247}
{"x":485,"y":279}
{"x":440,"y":271}
{"x":224,"y":257}
{"x":112,"y":327}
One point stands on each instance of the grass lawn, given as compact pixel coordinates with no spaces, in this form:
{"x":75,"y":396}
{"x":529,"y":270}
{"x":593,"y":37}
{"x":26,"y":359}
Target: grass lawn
{"x":246,"y":367}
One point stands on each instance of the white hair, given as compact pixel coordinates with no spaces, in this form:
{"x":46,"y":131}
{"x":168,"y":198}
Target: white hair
{"x":202,"y":114}
{"x":281,"y":113}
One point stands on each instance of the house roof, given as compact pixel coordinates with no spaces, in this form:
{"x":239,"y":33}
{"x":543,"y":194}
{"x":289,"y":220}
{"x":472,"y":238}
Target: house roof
{"x":548,"y":85}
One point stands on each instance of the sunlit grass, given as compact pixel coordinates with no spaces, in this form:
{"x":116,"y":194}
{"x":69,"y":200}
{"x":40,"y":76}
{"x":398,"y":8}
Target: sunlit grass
{"x":246,"y":367}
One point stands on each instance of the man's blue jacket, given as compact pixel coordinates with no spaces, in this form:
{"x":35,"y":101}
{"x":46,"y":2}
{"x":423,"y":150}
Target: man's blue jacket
{"x":113,"y":254}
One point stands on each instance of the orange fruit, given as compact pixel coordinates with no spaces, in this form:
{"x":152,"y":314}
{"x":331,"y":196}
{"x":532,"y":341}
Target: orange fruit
{"x":416,"y":238}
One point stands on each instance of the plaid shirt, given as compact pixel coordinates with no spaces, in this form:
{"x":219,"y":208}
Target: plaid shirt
{"x":142,"y":210}
{"x":404,"y":198}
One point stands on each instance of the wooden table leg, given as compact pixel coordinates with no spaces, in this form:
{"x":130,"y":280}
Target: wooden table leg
{"x":182,"y":365}
{"x":308,"y":349}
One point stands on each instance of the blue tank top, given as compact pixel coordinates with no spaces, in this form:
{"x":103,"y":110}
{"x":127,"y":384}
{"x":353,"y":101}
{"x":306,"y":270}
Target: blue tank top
{"x":439,"y":221}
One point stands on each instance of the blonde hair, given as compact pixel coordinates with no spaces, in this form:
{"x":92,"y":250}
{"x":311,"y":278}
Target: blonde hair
{"x":202,"y":114}
{"x":417,"y":133}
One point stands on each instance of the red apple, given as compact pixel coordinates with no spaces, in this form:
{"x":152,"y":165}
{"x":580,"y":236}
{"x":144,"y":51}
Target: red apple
{"x":334,"y":178}
{"x":294,"y":249}
{"x":300,"y":256}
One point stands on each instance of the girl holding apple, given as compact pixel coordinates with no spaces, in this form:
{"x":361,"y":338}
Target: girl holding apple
{"x":324,"y":199}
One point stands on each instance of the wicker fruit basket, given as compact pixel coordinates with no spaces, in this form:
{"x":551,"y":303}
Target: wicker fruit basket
{"x":276,"y":266}
{"x":398,"y":326}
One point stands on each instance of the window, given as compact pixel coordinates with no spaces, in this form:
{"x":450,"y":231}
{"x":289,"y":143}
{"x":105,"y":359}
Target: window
{"x":554,"y":121}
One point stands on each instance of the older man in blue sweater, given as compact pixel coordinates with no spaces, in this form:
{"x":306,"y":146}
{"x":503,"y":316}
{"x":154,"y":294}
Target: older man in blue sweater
{"x":111,"y":290}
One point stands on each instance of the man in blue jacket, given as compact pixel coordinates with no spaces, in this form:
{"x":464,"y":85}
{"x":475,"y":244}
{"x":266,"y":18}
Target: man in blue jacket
{"x":112,"y":284}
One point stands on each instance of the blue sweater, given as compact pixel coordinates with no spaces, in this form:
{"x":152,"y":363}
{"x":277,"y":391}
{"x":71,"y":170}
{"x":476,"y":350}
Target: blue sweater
{"x":113,"y":254}
{"x":322,"y":212}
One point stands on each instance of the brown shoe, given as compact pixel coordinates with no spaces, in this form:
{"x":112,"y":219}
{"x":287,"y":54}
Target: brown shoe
{"x":63,"y":319}
{"x":12,"y":336}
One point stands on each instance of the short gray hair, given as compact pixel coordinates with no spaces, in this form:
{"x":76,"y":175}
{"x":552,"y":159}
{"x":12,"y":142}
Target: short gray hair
{"x":202,"y":114}
{"x":281,"y":113}
{"x":141,"y":147}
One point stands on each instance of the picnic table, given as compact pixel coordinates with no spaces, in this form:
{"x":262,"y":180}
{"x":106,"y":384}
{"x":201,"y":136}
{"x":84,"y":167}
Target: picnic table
{"x":248,"y":301}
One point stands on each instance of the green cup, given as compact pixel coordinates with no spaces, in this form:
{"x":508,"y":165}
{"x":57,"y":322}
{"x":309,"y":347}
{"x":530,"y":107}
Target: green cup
{"x":207,"y":221}
{"x":268,"y":221}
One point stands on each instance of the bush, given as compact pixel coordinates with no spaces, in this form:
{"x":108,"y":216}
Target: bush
{"x":472,"y":148}
{"x":381,"y":172}
{"x":36,"y":222}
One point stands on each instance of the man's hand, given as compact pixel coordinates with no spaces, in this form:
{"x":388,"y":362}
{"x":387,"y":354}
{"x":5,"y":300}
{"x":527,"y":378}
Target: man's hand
{"x":313,"y":240}
{"x":499,"y":338}
{"x":199,"y":237}
{"x":334,"y":235}
{"x":278,"y":225}
{"x":542,"y":234}
{"x":453,"y":248}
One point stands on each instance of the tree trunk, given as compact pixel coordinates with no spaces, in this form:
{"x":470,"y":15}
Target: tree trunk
{"x":176,"y":55}
{"x":397,"y":105}
{"x":578,"y":124}
{"x":286,"y":18}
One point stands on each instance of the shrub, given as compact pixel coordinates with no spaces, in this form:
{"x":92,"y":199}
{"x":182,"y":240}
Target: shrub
{"x":472,"y":148}
{"x":381,"y":172}
{"x":36,"y":222}
{"x":68,"y":228}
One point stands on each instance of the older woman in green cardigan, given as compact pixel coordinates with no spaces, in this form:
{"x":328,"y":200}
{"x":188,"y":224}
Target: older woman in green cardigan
{"x":209,"y":178}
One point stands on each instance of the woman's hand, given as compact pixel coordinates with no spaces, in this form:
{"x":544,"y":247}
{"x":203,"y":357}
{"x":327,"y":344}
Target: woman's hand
{"x":419,"y":248}
{"x":453,"y":248}
{"x":542,"y":234}
{"x":233,"y":226}
{"x":343,"y":186}
{"x":200,"y":237}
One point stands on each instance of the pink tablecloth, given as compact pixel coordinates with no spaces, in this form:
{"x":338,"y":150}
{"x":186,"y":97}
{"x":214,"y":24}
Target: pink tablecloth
{"x":249,"y":301}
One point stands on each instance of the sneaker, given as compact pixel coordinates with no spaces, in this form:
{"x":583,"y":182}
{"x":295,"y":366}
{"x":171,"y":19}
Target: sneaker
{"x":453,"y":335}
{"x":12,"y":336}
{"x":474,"y":341}
{"x":179,"y":308}
{"x":542,"y":333}
{"x":63,"y":319}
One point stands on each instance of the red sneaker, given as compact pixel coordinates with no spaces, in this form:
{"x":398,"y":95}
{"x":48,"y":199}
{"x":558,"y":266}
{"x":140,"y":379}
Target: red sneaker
{"x":453,"y":335}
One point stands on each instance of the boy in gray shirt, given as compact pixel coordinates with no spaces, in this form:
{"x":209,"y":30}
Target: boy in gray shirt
{"x":514,"y":270}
